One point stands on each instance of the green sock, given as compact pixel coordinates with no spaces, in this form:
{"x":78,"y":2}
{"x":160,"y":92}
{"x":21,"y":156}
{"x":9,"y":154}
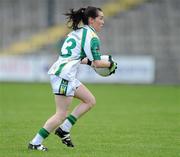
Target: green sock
{"x":68,"y":123}
{"x":72,"y":119}
{"x":40,"y":136}
{"x":43,"y":132}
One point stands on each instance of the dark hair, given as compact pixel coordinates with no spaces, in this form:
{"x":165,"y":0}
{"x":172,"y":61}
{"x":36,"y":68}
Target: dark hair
{"x":81,"y":15}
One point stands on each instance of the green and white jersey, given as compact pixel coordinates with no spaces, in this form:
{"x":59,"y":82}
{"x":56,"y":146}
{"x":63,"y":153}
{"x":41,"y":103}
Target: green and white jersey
{"x":78,"y":44}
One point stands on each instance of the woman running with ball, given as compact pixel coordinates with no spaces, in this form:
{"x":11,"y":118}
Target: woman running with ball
{"x":81,"y":46}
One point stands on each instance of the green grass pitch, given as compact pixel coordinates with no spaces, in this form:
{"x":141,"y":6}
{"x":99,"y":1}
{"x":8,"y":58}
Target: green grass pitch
{"x":128,"y":121}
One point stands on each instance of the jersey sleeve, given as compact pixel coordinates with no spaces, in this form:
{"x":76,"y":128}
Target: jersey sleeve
{"x":95,"y":47}
{"x":91,"y":46}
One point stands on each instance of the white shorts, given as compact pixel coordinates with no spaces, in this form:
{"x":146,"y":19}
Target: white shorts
{"x":64,"y":87}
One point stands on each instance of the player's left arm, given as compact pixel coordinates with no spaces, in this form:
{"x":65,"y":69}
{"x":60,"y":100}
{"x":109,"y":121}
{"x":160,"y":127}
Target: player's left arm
{"x":96,"y":63}
{"x":94,"y":56}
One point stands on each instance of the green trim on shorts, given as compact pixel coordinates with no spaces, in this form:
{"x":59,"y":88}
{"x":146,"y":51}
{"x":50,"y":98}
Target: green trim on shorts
{"x":63,"y":87}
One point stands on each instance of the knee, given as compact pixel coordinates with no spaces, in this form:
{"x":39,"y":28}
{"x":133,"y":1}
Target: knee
{"x":91,"y":102}
{"x":61,"y":115}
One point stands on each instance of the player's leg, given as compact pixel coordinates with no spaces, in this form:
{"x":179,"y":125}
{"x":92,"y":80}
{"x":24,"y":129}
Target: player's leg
{"x":62,"y":104}
{"x":87,"y":102}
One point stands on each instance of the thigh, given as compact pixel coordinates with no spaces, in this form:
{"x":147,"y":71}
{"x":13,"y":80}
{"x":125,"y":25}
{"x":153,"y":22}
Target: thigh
{"x":84,"y":94}
{"x":62,"y":103}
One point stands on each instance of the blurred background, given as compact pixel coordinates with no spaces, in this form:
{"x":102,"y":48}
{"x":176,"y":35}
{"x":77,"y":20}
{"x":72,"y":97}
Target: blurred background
{"x":143,"y":36}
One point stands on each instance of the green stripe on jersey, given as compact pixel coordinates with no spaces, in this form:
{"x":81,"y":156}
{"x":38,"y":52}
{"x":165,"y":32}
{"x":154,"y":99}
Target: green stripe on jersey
{"x":60,"y":69}
{"x":84,"y":34}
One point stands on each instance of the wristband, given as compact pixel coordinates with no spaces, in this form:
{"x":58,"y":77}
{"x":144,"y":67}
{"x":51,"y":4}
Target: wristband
{"x":89,"y":62}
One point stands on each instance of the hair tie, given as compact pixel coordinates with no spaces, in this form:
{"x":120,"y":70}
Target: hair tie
{"x":83,"y":10}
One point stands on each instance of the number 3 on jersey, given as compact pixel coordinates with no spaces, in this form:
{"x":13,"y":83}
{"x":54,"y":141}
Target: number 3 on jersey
{"x":68,"y":45}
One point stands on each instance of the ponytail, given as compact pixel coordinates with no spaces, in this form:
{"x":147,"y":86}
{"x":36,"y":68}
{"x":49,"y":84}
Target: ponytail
{"x":81,"y":15}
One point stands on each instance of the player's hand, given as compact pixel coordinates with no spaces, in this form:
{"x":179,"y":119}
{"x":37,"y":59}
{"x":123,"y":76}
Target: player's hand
{"x":84,"y":61}
{"x":113,"y":68}
{"x":113,"y":65}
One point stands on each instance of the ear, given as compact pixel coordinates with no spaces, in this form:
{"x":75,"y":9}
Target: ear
{"x":91,"y":20}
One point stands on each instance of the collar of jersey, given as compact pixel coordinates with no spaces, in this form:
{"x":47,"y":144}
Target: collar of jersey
{"x":91,"y":28}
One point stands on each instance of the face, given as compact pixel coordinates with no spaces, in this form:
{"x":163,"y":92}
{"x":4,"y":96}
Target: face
{"x":98,"y":22}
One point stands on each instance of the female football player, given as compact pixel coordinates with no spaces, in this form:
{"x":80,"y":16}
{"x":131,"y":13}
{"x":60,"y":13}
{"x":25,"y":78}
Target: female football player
{"x":81,"y":46}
